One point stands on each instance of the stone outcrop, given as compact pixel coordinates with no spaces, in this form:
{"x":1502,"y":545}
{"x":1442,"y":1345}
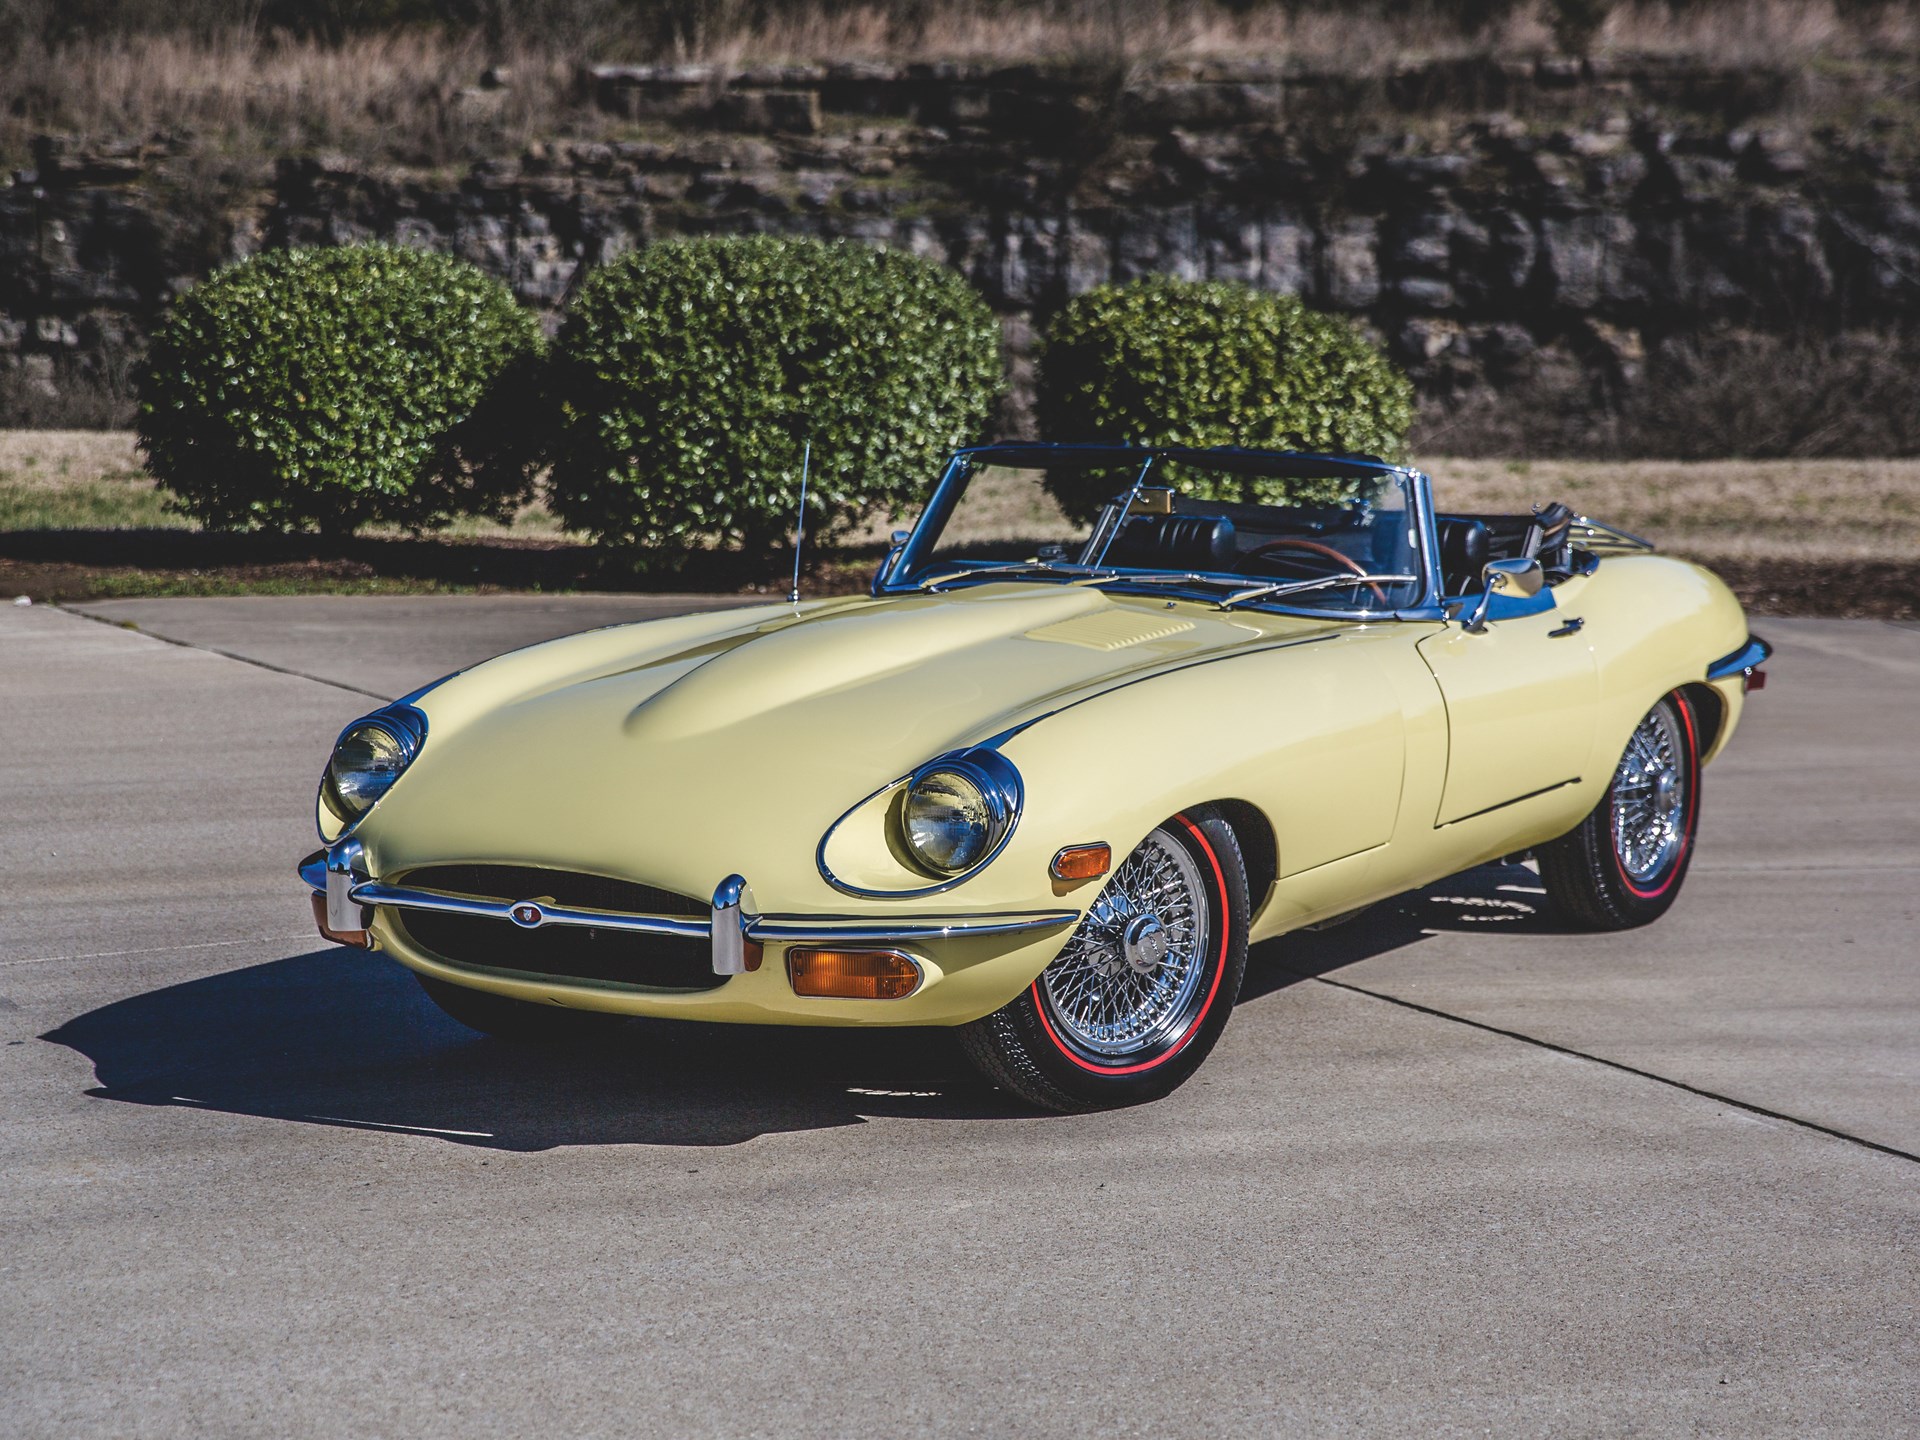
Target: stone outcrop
{"x":1492,"y":222}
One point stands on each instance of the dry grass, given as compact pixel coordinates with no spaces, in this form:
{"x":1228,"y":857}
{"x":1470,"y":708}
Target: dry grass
{"x":1713,"y":509}
{"x":1808,"y":510}
{"x":93,"y":480}
{"x":413,"y":95}
{"x":410,"y":96}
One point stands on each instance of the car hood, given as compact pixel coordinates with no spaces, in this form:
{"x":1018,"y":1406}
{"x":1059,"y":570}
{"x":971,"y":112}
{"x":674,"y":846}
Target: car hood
{"x":750,"y":731}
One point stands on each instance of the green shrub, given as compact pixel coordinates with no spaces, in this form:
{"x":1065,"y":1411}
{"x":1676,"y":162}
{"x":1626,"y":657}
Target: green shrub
{"x":331,"y":389}
{"x":690,"y":375}
{"x":1172,"y":362}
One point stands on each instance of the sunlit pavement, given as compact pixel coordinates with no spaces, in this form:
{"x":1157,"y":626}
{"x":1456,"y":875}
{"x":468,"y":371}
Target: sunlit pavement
{"x":1449,"y":1170}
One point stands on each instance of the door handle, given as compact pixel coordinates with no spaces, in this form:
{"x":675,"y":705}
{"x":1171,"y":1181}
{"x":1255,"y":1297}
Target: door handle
{"x":1573,"y":627}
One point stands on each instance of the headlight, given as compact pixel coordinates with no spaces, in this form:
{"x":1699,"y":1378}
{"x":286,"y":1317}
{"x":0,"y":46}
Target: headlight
{"x":957,"y":810}
{"x":368,"y":757}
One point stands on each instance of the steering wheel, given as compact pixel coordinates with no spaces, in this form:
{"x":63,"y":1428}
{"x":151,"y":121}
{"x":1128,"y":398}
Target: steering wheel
{"x":1316,"y":548}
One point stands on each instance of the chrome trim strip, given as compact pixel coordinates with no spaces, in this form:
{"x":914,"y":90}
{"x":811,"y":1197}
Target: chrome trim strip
{"x":779,"y":929}
{"x":792,"y":929}
{"x":1744,"y":661}
{"x":1530,"y":795}
{"x":373,"y":892}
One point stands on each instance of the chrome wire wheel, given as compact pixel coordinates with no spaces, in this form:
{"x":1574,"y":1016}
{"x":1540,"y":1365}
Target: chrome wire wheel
{"x":1130,"y":979}
{"x":1650,"y":798}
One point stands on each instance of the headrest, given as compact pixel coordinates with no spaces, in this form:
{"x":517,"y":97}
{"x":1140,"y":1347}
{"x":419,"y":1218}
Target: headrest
{"x":1174,"y":542}
{"x":1464,"y":548}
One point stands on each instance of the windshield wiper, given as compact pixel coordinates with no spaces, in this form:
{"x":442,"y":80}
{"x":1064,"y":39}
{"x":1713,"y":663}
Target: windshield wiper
{"x":1024,"y":567}
{"x":1299,"y":587}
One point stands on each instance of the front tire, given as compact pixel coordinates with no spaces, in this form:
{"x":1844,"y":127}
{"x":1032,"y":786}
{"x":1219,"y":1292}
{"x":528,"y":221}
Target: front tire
{"x":1143,"y":988}
{"x":1624,"y":864}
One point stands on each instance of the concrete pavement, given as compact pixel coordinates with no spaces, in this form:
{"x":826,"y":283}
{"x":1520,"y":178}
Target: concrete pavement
{"x":386,"y":645}
{"x":253,"y":1186}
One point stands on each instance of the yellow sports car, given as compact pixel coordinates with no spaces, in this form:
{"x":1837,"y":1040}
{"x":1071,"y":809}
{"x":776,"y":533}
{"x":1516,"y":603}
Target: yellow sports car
{"x":1108,"y":715}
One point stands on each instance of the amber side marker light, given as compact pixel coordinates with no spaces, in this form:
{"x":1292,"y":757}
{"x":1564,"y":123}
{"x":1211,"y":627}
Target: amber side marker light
{"x":852,"y":974}
{"x":356,"y":938}
{"x":1082,"y":862}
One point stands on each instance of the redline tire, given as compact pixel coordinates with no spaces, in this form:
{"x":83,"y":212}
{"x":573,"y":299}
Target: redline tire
{"x":1624,"y":864}
{"x":1140,"y":994}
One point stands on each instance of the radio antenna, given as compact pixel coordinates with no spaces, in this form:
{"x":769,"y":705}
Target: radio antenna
{"x":800,"y":524}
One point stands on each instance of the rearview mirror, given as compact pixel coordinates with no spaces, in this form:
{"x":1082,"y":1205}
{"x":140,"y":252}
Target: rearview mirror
{"x":1521,"y":578}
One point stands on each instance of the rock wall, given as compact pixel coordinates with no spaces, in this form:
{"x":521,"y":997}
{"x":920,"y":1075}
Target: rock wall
{"x":1494,"y":223}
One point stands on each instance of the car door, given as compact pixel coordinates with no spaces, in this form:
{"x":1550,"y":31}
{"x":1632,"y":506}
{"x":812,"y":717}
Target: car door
{"x":1520,"y":698}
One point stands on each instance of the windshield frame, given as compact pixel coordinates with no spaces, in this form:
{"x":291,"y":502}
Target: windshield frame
{"x":910,"y":565}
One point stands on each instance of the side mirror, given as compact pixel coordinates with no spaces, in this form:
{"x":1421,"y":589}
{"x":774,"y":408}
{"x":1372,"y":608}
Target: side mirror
{"x":892,"y":558}
{"x":1522,"y":578}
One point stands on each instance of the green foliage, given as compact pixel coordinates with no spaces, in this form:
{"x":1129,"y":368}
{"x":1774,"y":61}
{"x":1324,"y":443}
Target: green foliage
{"x":1173,"y":362}
{"x":332,"y":389}
{"x":689,"y":376}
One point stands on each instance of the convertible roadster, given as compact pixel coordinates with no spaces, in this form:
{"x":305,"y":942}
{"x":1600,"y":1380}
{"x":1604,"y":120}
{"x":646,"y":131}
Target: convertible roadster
{"x":1049,"y":779}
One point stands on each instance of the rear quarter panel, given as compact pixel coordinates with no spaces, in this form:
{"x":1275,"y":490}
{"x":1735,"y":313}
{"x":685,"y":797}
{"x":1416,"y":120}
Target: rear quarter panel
{"x":1655,"y":624}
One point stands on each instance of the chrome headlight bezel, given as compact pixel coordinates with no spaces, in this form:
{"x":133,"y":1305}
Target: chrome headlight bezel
{"x":406,"y":727}
{"x":998,"y":785}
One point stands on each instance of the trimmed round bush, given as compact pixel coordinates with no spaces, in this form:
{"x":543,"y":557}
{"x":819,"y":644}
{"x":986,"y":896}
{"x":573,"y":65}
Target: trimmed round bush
{"x":1174,"y":362}
{"x":690,"y":375}
{"x":332,"y":389}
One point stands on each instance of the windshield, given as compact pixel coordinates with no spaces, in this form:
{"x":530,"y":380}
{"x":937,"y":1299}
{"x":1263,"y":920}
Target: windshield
{"x":1333,"y":536}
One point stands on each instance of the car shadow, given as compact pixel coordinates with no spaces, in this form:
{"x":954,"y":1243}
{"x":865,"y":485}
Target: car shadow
{"x":1498,"y":900}
{"x":345,"y":1038}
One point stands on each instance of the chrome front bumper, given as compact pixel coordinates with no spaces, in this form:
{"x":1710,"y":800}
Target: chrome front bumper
{"x":733,"y":926}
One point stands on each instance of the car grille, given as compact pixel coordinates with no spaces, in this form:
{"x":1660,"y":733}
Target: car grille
{"x":562,"y":952}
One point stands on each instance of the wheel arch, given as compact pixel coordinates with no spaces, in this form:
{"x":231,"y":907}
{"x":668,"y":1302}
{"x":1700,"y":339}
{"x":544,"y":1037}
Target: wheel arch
{"x":1710,"y":710}
{"x":1259,"y":851}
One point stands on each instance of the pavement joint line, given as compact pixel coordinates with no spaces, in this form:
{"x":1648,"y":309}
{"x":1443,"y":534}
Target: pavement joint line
{"x":1626,"y":1069}
{"x":149,"y":950}
{"x":227,"y":655}
{"x":1765,"y":869}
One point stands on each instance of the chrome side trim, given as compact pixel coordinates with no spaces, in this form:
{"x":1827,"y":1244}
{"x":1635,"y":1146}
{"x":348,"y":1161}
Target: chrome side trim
{"x":790,"y":929}
{"x":1744,"y":661}
{"x":1530,"y":795}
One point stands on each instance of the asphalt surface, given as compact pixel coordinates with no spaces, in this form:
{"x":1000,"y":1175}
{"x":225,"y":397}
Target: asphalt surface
{"x":1448,"y":1171}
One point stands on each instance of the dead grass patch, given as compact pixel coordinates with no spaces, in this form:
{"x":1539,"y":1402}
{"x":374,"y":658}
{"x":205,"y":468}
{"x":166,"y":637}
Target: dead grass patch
{"x":1813,"y":512}
{"x":414,"y":94}
{"x":1708,"y":509}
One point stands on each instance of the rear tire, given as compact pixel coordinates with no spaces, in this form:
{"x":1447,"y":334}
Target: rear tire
{"x":520,"y":1021}
{"x":1141,"y":991}
{"x":1623,"y":865}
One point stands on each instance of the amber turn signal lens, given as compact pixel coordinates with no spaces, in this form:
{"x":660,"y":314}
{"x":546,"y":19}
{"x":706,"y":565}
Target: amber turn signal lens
{"x":357,"y":938}
{"x":852,"y":974}
{"x":1083,"y":862}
